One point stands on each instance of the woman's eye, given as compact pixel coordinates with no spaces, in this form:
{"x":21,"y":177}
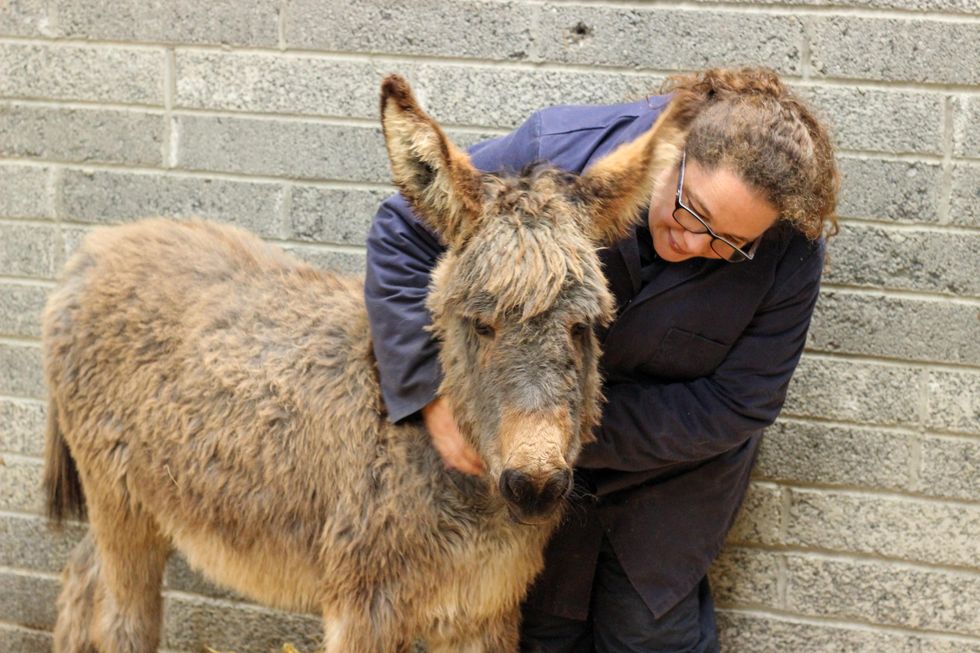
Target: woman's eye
{"x":483,"y":329}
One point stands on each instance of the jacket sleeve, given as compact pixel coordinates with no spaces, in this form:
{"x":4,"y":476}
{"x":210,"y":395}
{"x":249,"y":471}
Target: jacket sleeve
{"x":647,"y":426}
{"x":401,"y":253}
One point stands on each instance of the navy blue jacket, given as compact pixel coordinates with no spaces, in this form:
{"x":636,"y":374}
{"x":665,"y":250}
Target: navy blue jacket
{"x":696,"y":364}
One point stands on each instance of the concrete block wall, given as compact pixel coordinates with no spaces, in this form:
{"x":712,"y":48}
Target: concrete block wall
{"x":861,"y":531}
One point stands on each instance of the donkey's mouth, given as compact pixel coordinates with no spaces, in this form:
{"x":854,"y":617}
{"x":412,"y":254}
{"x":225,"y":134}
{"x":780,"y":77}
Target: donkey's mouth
{"x":525,"y":520}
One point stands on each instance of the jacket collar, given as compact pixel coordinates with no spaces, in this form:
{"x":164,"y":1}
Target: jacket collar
{"x":672,"y":275}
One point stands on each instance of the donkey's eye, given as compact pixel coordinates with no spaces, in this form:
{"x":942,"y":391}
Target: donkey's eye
{"x":579,"y":329}
{"x":483,"y":329}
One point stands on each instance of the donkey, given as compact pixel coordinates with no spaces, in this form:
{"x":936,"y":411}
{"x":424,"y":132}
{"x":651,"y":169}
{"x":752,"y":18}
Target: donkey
{"x":212,"y":394}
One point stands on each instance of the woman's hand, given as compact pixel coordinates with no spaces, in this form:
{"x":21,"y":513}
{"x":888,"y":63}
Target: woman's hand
{"x":447,"y":439}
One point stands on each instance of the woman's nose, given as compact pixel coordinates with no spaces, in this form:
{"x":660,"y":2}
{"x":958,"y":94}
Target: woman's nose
{"x":699,"y":244}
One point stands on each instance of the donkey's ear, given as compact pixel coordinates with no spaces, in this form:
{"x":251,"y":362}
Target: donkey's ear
{"x":623,"y":181}
{"x":438,"y":179}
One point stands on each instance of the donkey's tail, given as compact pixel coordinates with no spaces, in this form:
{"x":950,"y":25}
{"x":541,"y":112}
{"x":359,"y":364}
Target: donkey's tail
{"x":61,"y":482}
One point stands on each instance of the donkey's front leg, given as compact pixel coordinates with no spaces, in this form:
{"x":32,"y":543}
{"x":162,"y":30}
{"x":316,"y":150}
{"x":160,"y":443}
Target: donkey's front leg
{"x":490,"y":636}
{"x":353,"y":631}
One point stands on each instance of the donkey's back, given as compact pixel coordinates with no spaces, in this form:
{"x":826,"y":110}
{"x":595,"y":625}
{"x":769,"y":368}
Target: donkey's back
{"x":208,"y":384}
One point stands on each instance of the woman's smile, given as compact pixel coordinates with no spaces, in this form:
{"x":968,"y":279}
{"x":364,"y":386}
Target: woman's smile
{"x":673,"y":243}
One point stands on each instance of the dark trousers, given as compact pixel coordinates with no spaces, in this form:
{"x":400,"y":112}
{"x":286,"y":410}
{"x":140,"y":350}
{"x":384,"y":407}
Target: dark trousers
{"x":620,"y":622}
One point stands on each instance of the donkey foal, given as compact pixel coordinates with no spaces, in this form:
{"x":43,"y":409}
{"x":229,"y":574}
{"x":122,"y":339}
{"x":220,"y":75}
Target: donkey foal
{"x":212,"y":394}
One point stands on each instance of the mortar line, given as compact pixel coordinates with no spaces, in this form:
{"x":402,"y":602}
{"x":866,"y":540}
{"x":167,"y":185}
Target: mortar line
{"x":23,"y":401}
{"x":932,"y":227}
{"x":782,"y":581}
{"x":52,"y":17}
{"x":783,"y":9}
{"x":33,"y":573}
{"x":23,"y":457}
{"x":6,"y":394}
{"x":950,"y":436}
{"x":12,"y":625}
{"x":860,"y":154}
{"x":915,"y":449}
{"x":788,"y":417}
{"x":57,"y":201}
{"x":336,"y":248}
{"x":945,"y":366}
{"x":805,"y":54}
{"x":333,"y":120}
{"x":903,"y":362}
{"x":870,"y":492}
{"x":891,"y":428}
{"x":534,"y":53}
{"x":858,"y":557}
{"x":350,"y":248}
{"x":242,"y":604}
{"x":284,"y":209}
{"x":817,"y":620}
{"x":170,"y":135}
{"x":960,"y":299}
{"x":191,"y":173}
{"x":782,"y":571}
{"x":930,"y":431}
{"x":81,"y":104}
{"x":395,"y":58}
{"x":23,"y":342}
{"x":291,"y":117}
{"x":51,"y":183}
{"x":281,"y":23}
{"x":35,"y":516}
{"x":946,"y":195}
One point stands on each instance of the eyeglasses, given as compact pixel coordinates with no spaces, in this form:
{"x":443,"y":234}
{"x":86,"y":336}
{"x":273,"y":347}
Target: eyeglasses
{"x":691,"y":221}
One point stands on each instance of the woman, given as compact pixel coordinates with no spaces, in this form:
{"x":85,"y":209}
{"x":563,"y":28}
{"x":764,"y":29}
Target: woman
{"x":715,"y":291}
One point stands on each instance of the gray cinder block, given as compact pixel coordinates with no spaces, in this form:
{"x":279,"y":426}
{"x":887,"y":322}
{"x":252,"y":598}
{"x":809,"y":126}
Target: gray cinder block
{"x":922,"y":259}
{"x":860,"y":391}
{"x":232,"y":22}
{"x":884,"y":593}
{"x":79,"y":72}
{"x":905,"y":191}
{"x":81,"y":135}
{"x":669,"y":39}
{"x":23,"y":191}
{"x":466,"y":28}
{"x":815,"y":452}
{"x":104,"y":197}
{"x":896,"y":49}
{"x":927,"y":330}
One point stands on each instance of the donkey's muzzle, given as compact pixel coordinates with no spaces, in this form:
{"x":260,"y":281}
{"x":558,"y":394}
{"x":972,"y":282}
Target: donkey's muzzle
{"x":535,"y":497}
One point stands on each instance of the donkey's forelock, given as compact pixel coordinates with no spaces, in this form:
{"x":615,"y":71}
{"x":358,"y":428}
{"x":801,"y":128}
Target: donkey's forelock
{"x":529,"y":249}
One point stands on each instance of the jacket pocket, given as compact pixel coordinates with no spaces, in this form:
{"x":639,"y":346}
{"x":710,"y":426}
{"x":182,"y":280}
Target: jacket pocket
{"x":686,"y":355}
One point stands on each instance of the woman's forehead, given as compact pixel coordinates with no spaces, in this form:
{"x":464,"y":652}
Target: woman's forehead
{"x":730,"y":205}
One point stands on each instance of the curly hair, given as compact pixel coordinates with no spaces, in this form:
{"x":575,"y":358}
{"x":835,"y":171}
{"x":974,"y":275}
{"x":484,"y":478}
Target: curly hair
{"x":750,"y":122}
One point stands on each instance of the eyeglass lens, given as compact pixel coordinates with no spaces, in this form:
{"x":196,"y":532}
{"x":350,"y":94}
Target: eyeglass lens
{"x":685,"y":219}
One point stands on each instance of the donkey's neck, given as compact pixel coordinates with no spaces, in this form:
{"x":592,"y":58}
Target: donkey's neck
{"x":466,"y":494}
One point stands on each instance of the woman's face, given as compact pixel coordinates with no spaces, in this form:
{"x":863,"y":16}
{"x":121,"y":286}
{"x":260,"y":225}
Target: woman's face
{"x":727,"y":204}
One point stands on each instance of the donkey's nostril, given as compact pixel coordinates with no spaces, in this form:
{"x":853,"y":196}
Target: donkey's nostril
{"x":515,"y":486}
{"x":558,"y":486}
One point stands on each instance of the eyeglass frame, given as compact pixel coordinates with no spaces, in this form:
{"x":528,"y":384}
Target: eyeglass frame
{"x":678,"y":205}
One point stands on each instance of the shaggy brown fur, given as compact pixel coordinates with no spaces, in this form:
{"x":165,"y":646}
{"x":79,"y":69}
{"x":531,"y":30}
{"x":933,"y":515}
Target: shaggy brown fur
{"x":212,"y":394}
